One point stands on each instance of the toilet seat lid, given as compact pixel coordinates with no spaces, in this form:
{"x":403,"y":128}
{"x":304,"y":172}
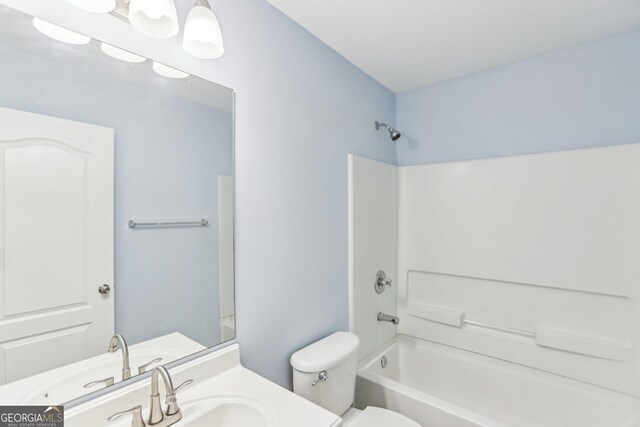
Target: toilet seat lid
{"x":379,"y":417}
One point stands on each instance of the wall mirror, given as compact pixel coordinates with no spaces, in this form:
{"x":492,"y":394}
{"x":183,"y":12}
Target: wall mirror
{"x":116,"y":213}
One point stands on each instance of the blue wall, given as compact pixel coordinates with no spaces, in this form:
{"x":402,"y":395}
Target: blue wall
{"x":583,"y":96}
{"x":168,"y":155}
{"x":300,"y":109}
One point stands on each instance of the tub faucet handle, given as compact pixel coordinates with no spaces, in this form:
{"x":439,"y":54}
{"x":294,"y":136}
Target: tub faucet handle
{"x":322,"y":377}
{"x":381,"y":282}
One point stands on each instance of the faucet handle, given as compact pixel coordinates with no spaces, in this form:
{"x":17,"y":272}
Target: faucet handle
{"x":172,"y":401}
{"x":107,"y":382}
{"x":136,"y":421}
{"x":184,"y":384}
{"x":381,"y":282}
{"x":143,"y":368}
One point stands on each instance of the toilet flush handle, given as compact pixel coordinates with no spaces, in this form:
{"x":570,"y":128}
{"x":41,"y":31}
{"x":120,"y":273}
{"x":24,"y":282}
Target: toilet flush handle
{"x":322,"y":377}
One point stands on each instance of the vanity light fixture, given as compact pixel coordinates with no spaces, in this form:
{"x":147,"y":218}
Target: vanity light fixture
{"x":167,"y":71}
{"x":58,"y":33}
{"x":121,"y":55}
{"x":202,"y":36}
{"x":97,"y":6}
{"x":155,"y":18}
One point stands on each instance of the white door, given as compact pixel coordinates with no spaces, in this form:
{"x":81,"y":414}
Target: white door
{"x":56,"y":242}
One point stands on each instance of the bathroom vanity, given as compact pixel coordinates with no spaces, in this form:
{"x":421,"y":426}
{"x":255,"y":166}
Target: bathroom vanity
{"x":223,"y":394}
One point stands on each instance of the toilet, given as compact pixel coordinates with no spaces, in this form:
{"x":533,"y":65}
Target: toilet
{"x":325,"y":373}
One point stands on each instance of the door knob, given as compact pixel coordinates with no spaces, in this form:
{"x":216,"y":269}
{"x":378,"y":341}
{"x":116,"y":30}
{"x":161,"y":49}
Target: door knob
{"x":104,"y":289}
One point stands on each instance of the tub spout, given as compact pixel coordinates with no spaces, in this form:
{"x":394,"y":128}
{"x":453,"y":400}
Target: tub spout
{"x":388,"y":318}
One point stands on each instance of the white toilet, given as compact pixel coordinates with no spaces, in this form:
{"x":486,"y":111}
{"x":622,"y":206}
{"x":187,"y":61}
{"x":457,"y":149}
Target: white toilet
{"x":325,"y":373}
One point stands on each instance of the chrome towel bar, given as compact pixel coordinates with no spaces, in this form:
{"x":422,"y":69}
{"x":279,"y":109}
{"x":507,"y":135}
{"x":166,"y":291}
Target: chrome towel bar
{"x":168,"y":223}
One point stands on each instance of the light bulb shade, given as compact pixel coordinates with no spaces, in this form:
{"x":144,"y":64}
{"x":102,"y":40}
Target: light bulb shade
{"x":97,"y":6}
{"x":58,"y":33}
{"x":121,"y":55}
{"x":155,"y":18}
{"x":202,"y":35}
{"x":167,"y":71}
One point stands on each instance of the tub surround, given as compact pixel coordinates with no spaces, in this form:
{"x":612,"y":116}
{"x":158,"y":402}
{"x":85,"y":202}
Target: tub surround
{"x":373,"y":246}
{"x":495,"y":259}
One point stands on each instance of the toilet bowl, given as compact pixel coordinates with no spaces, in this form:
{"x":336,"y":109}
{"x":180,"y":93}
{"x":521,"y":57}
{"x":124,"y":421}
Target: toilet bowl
{"x":325,"y":373}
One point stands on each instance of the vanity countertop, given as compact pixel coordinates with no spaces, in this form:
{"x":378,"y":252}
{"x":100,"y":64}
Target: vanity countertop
{"x":219,"y":379}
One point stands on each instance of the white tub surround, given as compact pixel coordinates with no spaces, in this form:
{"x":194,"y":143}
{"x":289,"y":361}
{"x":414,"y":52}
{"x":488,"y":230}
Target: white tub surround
{"x":373,"y":233}
{"x":224,"y":393}
{"x":443,"y":386}
{"x":530,"y":259}
{"x":527,"y":259}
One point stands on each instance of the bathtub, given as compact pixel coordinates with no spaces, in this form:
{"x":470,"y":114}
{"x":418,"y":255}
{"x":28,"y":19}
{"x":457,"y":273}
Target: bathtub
{"x":441,"y":386}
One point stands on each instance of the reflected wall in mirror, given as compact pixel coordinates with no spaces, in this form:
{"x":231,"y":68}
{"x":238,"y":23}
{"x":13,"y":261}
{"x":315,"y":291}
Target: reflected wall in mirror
{"x":116,"y":220}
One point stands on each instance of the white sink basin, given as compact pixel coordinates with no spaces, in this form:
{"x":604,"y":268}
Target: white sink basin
{"x":228,"y":410}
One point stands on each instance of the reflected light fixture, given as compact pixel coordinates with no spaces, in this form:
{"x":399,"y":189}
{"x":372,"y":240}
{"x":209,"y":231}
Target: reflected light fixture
{"x":202,"y":36}
{"x":155,"y":18}
{"x":167,"y":71}
{"x":59,"y":33}
{"x":97,"y":6}
{"x":120,"y":54}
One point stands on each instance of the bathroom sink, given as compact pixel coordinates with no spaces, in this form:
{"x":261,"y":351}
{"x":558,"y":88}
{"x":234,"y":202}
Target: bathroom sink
{"x":226,"y":410}
{"x":223,"y":394}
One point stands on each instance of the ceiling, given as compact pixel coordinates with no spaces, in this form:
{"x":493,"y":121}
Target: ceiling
{"x":407,"y":44}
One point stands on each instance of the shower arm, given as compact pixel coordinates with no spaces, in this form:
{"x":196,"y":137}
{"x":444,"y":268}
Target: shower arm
{"x":379,"y":125}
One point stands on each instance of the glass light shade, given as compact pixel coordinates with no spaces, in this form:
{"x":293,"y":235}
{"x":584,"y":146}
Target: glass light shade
{"x":97,"y":6}
{"x":155,"y":18}
{"x":121,"y":55}
{"x":59,"y":33}
{"x":202,"y":35}
{"x":167,"y":71}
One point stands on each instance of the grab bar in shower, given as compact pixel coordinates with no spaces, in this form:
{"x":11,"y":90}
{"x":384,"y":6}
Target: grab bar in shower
{"x":527,"y":334}
{"x":543,"y":336}
{"x":168,"y":223}
{"x":458,"y":319}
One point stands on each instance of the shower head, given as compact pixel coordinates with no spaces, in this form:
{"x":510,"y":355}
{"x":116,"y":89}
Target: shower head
{"x":393,"y":133}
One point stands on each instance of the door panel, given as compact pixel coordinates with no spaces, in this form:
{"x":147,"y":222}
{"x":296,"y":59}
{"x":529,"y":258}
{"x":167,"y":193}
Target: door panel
{"x":56,"y":241}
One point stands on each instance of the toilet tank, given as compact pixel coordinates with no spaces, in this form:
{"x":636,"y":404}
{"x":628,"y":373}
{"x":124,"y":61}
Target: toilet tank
{"x":336,"y":354}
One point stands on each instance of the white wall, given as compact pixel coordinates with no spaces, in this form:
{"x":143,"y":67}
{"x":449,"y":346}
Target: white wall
{"x":544,"y":243}
{"x":373,"y":237}
{"x":301,"y":108}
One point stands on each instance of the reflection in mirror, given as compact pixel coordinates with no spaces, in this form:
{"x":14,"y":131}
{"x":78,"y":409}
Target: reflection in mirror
{"x":116,"y":222}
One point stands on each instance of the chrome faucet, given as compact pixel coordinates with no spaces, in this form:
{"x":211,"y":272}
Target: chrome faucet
{"x":157,"y":417}
{"x":172,"y":414}
{"x":116,"y":340}
{"x":388,"y":318}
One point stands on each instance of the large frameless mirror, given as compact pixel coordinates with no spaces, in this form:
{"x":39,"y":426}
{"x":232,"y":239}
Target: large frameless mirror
{"x":116,"y":213}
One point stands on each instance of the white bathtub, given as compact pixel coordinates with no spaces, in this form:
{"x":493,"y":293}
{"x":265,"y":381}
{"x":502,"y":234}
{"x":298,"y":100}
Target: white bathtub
{"x":441,"y":386}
